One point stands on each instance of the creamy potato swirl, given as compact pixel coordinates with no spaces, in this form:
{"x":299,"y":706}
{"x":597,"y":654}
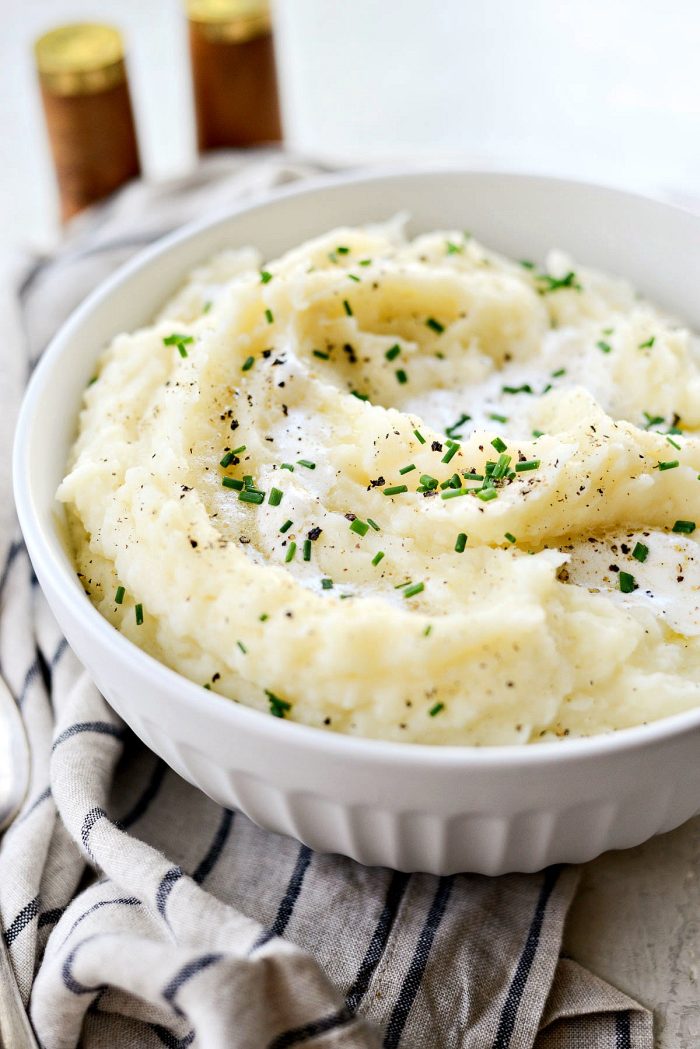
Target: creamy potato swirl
{"x":402,"y":489}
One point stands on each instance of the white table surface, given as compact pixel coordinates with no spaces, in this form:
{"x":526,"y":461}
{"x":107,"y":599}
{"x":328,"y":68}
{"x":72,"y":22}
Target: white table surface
{"x":610,"y":92}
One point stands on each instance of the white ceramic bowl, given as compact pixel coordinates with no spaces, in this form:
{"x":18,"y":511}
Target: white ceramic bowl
{"x":416,"y":808}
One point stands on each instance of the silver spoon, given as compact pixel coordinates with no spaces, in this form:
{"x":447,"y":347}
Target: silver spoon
{"x":15,"y":1029}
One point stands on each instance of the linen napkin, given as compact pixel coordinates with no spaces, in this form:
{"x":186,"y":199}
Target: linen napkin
{"x":138,"y":913}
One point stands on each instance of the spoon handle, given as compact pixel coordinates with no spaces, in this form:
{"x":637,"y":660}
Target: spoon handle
{"x":15,"y":1029}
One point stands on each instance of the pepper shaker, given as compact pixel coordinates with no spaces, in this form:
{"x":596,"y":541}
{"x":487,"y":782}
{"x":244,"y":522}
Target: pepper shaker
{"x":85,"y":94}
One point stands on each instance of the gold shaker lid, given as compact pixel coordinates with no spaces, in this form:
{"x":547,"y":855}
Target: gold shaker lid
{"x":230,"y":21}
{"x":80,"y":59}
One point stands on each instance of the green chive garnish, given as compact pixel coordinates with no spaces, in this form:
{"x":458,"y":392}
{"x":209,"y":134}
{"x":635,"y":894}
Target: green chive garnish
{"x":537,"y":433}
{"x":307,"y":550}
{"x":119,"y":596}
{"x":359,"y":527}
{"x":407,"y":469}
{"x":278,"y":707}
{"x":686,"y":527}
{"x":648,"y":344}
{"x":327,"y":584}
{"x":269,"y":317}
{"x":286,"y":526}
{"x":640,"y":552}
{"x":487,"y":494}
{"x":450,"y":453}
{"x":392,"y":353}
{"x":291,"y":550}
{"x":528,"y":464}
{"x":420,"y":436}
{"x":242,"y":647}
{"x":453,"y":493}
{"x":249,"y":496}
{"x":558,"y":373}
{"x":401,"y":376}
{"x":322,"y":356}
{"x":226,"y":459}
{"x":671,"y":465}
{"x":373,"y":524}
{"x":498,"y":418}
{"x":510,"y":537}
{"x":232,"y":482}
{"x":377,"y":558}
{"x":396,"y":489}
{"x":307,"y":463}
{"x":181,"y":350}
{"x":139,"y":613}
{"x":347,"y":307}
{"x":498,"y":444}
{"x":604,"y":346}
{"x":343,"y":250}
{"x":263,"y":617}
{"x":265,"y":277}
{"x":461,"y":543}
{"x":360,"y":396}
{"x":428,"y":482}
{"x":428,"y":629}
{"x":248,"y":364}
{"x":627,"y":583}
{"x":176,"y":339}
{"x":413,"y":589}
{"x":436,"y":709}
{"x":287,"y":466}
{"x":435,"y":325}
{"x":473,"y":476}
{"x":275,"y":497}
{"x":673,"y":444}
{"x":353,"y":276}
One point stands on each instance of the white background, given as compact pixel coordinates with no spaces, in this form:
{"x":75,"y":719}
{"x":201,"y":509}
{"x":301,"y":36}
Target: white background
{"x":607,"y":90}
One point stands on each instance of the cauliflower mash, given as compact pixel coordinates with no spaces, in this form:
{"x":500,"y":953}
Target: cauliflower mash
{"x":402,"y":489}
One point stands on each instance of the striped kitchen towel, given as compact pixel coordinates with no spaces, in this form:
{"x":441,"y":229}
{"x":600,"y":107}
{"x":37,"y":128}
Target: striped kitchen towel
{"x":138,"y":913}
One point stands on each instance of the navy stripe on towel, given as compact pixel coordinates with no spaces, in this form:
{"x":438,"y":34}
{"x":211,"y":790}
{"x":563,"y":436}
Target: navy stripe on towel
{"x":126,"y":901}
{"x":412,"y":980}
{"x":186,"y":973}
{"x":312,"y":1030}
{"x":166,"y":887}
{"x":51,"y":917}
{"x":103,"y":728}
{"x":215,"y":849}
{"x":150,"y":793}
{"x":380,"y":937}
{"x":15,"y":549}
{"x":73,"y":985}
{"x":286,"y":907}
{"x":60,"y":649}
{"x":92,"y":817}
{"x":509,"y":1012}
{"x":25,"y":917}
{"x":623,"y":1033}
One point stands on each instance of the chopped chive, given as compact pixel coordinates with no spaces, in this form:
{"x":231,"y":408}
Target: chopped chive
{"x":265,"y":277}
{"x":673,"y":443}
{"x":286,"y":526}
{"x":528,"y":464}
{"x":498,"y":444}
{"x":537,"y":433}
{"x":604,"y":346}
{"x":501,"y":467}
{"x":627,"y":583}
{"x":377,"y":557}
{"x":307,"y":463}
{"x":686,"y":527}
{"x":428,"y":481}
{"x":237,"y":451}
{"x":207,"y":306}
{"x":248,"y":496}
{"x":413,"y":589}
{"x":473,"y":476}
{"x":327,"y":584}
{"x":365,"y":262}
{"x":640,"y":552}
{"x":671,"y":465}
{"x":527,"y":264}
{"x":359,"y":527}
{"x":278,"y":707}
{"x":450,"y":453}
{"x":275,"y":497}
{"x":226,"y":461}
{"x":347,"y":307}
{"x":360,"y":396}
{"x":393,"y":352}
{"x":138,"y":610}
{"x":461,"y":543}
{"x":454,"y":249}
{"x":248,"y":364}
{"x":555,"y":283}
{"x":525,"y":388}
{"x":452,"y":493}
{"x":263,"y":617}
{"x":407,"y":469}
{"x":287,"y":466}
{"x":435,"y":325}
{"x":321,"y":355}
{"x":652,"y":420}
{"x":420,"y":436}
{"x":291,"y":550}
{"x":510,"y":537}
{"x":307,"y":550}
{"x":648,"y":344}
{"x":428,"y":629}
{"x":92,"y":380}
{"x":498,"y":418}
{"x":396,"y":489}
{"x":435,"y":710}
{"x":352,"y":276}
{"x":119,"y":596}
{"x":343,"y":250}
{"x":558,"y":373}
{"x":242,"y":647}
{"x":487,"y":494}
{"x":400,"y":586}
{"x":401,"y":376}
{"x":175,"y":339}
{"x":269,"y":317}
{"x":451,"y":430}
{"x":373,"y":524}
{"x":181,"y":350}
{"x":232,"y":482}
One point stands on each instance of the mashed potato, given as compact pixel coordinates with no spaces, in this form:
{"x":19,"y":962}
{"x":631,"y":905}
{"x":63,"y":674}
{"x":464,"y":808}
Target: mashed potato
{"x":408,"y":490}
